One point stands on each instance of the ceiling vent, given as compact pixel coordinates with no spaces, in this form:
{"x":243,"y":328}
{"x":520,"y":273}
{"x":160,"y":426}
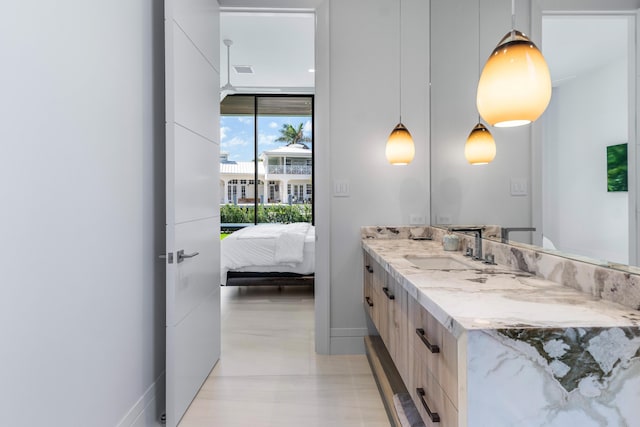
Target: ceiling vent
{"x":243,"y":69}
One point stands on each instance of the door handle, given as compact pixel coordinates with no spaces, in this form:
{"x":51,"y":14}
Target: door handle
{"x":182,"y":256}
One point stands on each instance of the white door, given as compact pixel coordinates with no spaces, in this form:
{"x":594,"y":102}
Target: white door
{"x":192,"y":186}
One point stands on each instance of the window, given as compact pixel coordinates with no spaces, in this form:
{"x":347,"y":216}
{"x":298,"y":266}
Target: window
{"x":267,"y":136}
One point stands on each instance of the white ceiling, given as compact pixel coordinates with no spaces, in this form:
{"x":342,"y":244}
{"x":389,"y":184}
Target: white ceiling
{"x":573,"y":45}
{"x":279,"y":46}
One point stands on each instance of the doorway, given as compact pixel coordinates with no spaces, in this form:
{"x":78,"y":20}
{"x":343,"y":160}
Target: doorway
{"x":318,"y":78}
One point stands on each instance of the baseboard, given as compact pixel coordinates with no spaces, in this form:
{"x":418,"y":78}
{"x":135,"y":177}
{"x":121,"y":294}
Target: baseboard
{"x":347,"y":340}
{"x":349,"y":332}
{"x":347,"y":345}
{"x":145,"y":412}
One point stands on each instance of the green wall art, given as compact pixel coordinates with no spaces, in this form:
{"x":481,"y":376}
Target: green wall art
{"x":617,"y":167}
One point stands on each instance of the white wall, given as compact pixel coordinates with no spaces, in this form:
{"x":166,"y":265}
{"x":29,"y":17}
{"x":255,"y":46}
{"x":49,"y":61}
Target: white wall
{"x":579,"y":215}
{"x":464,"y":193}
{"x":364,"y":109}
{"x":81,"y":224}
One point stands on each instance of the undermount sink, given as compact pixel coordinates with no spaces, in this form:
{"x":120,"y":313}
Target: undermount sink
{"x":439,"y":263}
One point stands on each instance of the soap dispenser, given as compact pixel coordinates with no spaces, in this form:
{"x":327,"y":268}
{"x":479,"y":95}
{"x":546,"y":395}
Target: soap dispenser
{"x":450,"y":242}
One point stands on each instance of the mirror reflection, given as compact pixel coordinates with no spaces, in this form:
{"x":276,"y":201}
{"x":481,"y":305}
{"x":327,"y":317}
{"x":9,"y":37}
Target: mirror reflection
{"x":497,"y":233}
{"x":587,"y":124}
{"x":563,"y":175}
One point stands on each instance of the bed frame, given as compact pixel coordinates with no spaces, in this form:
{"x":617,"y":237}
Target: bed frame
{"x":240,"y":278}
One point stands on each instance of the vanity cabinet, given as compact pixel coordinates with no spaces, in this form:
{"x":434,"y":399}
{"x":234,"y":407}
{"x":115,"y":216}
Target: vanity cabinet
{"x":495,"y":346}
{"x":398,"y":327}
{"x":423,"y":351}
{"x":375,"y":300}
{"x":369,"y":297}
{"x":386,"y":303}
{"x":434,"y":375}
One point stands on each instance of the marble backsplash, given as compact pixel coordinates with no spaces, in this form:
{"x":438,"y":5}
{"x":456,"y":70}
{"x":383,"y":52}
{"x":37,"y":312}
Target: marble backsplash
{"x":598,"y":281}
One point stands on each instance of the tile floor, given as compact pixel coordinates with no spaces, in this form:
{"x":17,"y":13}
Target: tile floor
{"x":270,"y":375}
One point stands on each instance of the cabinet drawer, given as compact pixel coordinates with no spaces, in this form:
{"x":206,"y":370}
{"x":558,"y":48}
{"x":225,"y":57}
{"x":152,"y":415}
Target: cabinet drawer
{"x":397,"y":312}
{"x":368,"y":287}
{"x":432,"y":402}
{"x":374,"y":299}
{"x":437,"y":349}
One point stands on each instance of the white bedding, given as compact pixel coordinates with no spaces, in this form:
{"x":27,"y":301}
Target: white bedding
{"x":269,"y":248}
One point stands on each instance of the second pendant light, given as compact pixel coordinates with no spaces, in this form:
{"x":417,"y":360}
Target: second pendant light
{"x":480,"y":147}
{"x":400,"y":149}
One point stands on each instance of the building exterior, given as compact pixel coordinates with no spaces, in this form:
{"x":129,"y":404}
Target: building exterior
{"x":284,"y":176}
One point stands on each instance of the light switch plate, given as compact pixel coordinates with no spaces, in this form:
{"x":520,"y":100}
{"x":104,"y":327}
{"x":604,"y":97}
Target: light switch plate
{"x":519,"y":187}
{"x":341,"y":188}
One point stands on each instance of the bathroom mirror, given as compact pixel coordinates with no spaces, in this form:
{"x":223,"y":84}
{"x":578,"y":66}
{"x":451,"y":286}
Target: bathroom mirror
{"x":565,"y":166}
{"x":593,"y":109}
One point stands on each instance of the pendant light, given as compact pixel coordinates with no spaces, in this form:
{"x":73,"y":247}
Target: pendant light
{"x":400,"y":149}
{"x":515,"y":85}
{"x":480,"y":148}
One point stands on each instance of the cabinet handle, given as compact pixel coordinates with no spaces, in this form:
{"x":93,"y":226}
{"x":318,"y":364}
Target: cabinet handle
{"x":369,"y":302}
{"x":369,"y":269}
{"x":389,"y":295}
{"x":435,"y":418}
{"x":433,"y":348}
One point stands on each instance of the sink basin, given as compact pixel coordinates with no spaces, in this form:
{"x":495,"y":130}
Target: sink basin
{"x":439,"y":263}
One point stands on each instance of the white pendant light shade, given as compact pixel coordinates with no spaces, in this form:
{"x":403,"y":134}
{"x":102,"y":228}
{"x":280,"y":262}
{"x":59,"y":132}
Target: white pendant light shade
{"x":400,"y":149}
{"x":515,"y":85}
{"x":480,"y":147}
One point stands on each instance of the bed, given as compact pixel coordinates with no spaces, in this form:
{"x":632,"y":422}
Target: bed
{"x":269,"y":254}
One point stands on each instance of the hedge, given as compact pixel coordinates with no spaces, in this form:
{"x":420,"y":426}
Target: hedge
{"x":233,"y":214}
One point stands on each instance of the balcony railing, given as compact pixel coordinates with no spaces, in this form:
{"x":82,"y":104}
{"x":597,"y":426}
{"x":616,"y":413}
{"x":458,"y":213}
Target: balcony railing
{"x":289,"y":169}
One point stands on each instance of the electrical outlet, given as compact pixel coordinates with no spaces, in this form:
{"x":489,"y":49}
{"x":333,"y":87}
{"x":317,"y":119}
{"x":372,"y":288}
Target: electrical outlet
{"x":416,"y":219}
{"x":443,"y":219}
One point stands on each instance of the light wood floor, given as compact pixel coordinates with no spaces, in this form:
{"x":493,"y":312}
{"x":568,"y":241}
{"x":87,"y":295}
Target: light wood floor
{"x":269,"y":374}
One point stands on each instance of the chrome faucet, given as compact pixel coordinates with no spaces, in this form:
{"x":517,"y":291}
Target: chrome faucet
{"x":504,"y":232}
{"x":478,"y":232}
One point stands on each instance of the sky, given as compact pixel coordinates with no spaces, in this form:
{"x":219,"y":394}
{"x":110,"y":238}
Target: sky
{"x":236,"y":134}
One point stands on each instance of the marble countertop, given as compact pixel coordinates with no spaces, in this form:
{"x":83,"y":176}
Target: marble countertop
{"x":492,"y":297}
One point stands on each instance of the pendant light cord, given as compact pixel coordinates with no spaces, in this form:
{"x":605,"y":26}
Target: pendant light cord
{"x":513,"y":18}
{"x":479,"y":65}
{"x":400,"y":54}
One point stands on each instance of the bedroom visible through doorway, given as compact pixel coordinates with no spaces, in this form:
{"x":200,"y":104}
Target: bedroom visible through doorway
{"x":266,"y":190}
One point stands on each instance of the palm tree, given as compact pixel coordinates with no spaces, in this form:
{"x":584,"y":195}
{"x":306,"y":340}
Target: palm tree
{"x":292,"y":135}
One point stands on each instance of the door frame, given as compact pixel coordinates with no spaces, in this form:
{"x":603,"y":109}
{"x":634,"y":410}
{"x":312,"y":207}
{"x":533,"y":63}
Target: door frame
{"x":322,"y":187}
{"x":321,"y":160}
